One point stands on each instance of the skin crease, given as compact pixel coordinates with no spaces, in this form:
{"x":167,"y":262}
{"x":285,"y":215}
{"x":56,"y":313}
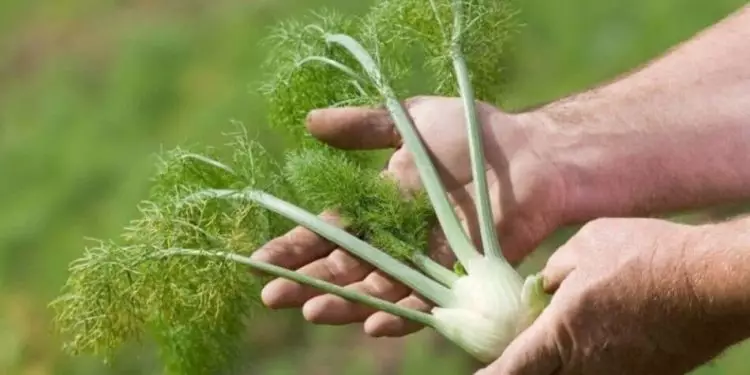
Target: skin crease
{"x":632,"y":296}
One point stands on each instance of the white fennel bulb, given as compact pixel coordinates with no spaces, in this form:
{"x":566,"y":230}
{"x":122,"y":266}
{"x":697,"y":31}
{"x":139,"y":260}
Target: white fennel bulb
{"x":491,"y":305}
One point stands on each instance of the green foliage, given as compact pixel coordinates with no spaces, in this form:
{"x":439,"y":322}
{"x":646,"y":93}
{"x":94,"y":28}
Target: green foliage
{"x":101,"y":276}
{"x":194,"y":307}
{"x":428,"y":25}
{"x":296,"y":87}
{"x":373,"y":207}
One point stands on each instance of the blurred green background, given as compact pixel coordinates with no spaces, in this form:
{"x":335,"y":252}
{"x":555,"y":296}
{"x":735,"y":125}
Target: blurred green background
{"x":90,"y":90}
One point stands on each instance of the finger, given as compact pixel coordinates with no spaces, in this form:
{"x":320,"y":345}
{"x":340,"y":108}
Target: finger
{"x":533,"y":352}
{"x":297,"y":247}
{"x":382,"y":324}
{"x":339,"y":267}
{"x":354,"y":128}
{"x":334,"y":310}
{"x":559,"y":265}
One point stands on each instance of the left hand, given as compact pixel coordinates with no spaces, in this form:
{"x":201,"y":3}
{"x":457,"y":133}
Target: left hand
{"x":625,"y":303}
{"x":527,"y":196}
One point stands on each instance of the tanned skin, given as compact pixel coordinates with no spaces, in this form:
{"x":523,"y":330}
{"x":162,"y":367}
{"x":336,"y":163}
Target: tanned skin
{"x":632,"y":296}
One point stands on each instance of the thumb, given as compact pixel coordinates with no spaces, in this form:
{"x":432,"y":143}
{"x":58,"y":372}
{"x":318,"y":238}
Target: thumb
{"x":354,"y":128}
{"x":533,"y":352}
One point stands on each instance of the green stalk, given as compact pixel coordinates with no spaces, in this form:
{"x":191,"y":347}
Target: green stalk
{"x":421,"y":260}
{"x":377,"y":303}
{"x":325,"y":60}
{"x":427,"y":287}
{"x":434,"y":269}
{"x":490,"y":242}
{"x":209,"y":161}
{"x":457,"y":238}
{"x":215,"y":241}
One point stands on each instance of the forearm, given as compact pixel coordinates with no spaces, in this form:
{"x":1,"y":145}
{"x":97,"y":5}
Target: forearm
{"x":673,"y":135}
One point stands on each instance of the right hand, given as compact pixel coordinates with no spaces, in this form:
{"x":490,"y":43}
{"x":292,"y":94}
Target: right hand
{"x":637,"y":296}
{"x":526,"y":189}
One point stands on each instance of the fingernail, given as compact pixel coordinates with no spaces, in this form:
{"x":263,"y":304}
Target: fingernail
{"x":312,"y":115}
{"x":372,"y":329}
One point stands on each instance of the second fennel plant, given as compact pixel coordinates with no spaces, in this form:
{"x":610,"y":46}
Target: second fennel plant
{"x":183,"y":256}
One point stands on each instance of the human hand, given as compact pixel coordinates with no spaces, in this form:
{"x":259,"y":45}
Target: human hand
{"x":526,"y":191}
{"x":634,"y":296}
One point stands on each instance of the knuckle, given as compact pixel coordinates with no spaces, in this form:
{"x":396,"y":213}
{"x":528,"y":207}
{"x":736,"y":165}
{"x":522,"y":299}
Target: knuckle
{"x":296,"y":236}
{"x":378,"y":284}
{"x":596,"y":225}
{"x":329,"y":272}
{"x":341,"y":263}
{"x":599,"y":234}
{"x":273,"y":251}
{"x":560,"y":257}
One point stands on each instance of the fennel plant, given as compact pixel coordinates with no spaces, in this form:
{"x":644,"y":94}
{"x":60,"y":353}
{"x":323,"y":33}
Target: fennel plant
{"x":178,"y":274}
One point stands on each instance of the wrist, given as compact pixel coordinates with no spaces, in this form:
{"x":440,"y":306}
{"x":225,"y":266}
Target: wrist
{"x":624,"y":158}
{"x":716,"y":262}
{"x":604,"y":168}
